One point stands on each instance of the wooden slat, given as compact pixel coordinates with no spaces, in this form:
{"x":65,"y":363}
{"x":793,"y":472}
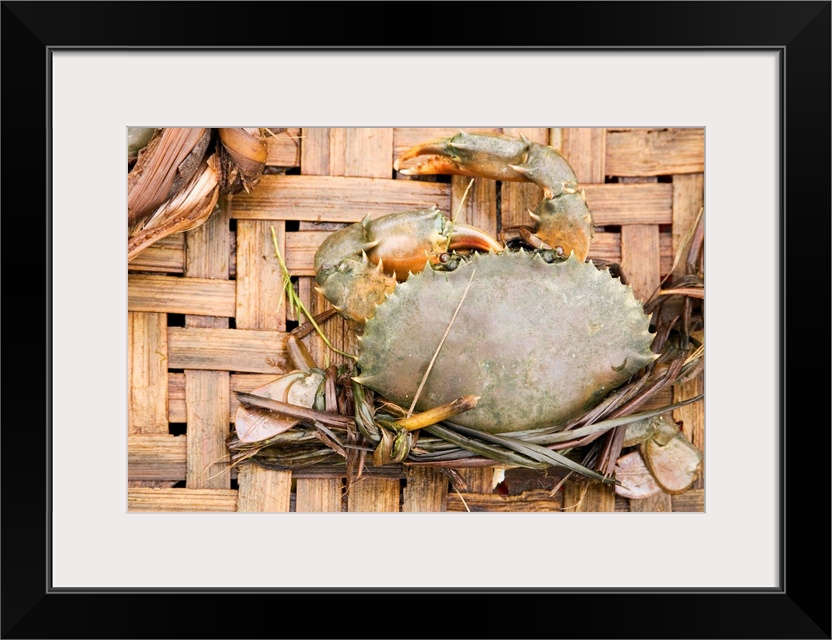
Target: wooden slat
{"x":156,"y":457}
{"x":150,"y":484}
{"x":585,"y":150}
{"x":516,"y":200}
{"x":580,"y":497}
{"x":207,"y":248}
{"x":301,"y":247}
{"x":335,"y":198}
{"x":662,"y":399}
{"x":207,"y":253}
{"x":640,"y":258}
{"x":283,"y":148}
{"x":659,"y":503}
{"x":314,"y":151}
{"x":166,"y":255}
{"x":374,"y":495}
{"x":691,"y":501}
{"x":426,"y":489}
{"x":367,"y":153}
{"x":479,"y":208}
{"x":206,"y":393}
{"x":318,"y":495}
{"x":611,"y":204}
{"x":622,"y":505}
{"x":606,"y":246}
{"x":263,"y":490}
{"x":260,"y":303}
{"x":147,"y":335}
{"x":556,"y":139}
{"x":651,"y":152}
{"x":227,"y":350}
{"x":259,"y":296}
{"x":692,"y":417}
{"x":239,"y":382}
{"x":170,"y":259}
{"x":478,"y":480}
{"x":171,"y":294}
{"x":535,"y":134}
{"x":199,"y":500}
{"x":630,"y":203}
{"x":688,"y":200}
{"x":535,"y":501}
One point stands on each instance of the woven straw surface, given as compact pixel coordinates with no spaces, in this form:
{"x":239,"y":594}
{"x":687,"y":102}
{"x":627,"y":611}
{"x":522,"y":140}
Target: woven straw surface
{"x":205,"y":315}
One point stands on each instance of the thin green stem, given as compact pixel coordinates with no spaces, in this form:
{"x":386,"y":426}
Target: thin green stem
{"x":297,"y":303}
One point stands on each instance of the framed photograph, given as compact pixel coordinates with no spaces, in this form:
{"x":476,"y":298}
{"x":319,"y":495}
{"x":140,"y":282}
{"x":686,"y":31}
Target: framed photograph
{"x":707,"y":92}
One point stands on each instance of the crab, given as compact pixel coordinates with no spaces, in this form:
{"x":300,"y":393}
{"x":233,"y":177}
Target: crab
{"x":520,"y":344}
{"x":541,"y":336}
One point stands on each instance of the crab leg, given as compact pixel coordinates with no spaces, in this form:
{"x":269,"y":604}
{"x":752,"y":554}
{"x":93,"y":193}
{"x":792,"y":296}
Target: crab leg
{"x":563,"y":220}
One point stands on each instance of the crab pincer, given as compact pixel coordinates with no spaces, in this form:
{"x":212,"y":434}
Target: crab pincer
{"x":359,"y":265}
{"x":563,"y":221}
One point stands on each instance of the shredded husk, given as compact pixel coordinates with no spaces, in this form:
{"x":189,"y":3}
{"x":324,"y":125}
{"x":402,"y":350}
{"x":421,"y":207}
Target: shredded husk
{"x":174,"y":181}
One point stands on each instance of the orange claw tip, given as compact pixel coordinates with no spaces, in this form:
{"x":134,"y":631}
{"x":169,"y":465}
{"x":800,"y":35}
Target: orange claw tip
{"x":437,"y":165}
{"x":438,"y":146}
{"x":464,"y":236}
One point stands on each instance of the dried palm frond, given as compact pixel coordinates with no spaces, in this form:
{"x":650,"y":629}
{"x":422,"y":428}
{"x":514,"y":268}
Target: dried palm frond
{"x":188,"y":209}
{"x":242,"y":152}
{"x":163,"y":167}
{"x":178,"y":175}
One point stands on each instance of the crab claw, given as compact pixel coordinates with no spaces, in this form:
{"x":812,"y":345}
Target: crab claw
{"x":358,"y":266}
{"x":565,"y":224}
{"x":563,"y":219}
{"x":476,"y":155}
{"x":494,"y":156}
{"x":406,"y":242}
{"x":355,"y":287}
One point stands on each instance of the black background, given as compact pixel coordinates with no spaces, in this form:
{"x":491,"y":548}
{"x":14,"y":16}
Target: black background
{"x":799,"y":609}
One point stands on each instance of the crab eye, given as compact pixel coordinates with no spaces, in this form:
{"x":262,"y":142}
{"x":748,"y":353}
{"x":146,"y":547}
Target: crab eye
{"x":559,"y":251}
{"x":449,"y":262}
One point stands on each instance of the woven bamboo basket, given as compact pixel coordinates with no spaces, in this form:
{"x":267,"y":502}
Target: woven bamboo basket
{"x":206,"y":317}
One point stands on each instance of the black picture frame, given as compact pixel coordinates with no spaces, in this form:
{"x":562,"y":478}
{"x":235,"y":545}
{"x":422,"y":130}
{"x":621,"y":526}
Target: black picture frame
{"x":799,"y":608}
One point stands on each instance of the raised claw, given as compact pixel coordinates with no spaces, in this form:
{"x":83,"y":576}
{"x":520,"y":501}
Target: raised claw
{"x":563,"y":220}
{"x":474,"y":155}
